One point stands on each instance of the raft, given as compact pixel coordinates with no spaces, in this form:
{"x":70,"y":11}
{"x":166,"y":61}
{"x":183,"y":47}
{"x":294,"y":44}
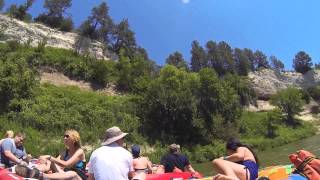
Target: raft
{"x":7,"y":175}
{"x":280,"y":173}
{"x":169,"y":176}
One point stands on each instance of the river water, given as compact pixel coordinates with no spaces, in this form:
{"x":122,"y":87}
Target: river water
{"x":275,"y":156}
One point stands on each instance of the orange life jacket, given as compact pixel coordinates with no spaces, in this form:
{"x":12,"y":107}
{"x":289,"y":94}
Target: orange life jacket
{"x":306,"y":163}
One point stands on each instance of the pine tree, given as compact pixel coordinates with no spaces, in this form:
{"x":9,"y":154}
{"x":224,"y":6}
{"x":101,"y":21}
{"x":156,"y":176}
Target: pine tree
{"x":302,"y":62}
{"x":176,"y":59}
{"x":198,"y":57}
{"x":261,"y":60}
{"x":276,"y":64}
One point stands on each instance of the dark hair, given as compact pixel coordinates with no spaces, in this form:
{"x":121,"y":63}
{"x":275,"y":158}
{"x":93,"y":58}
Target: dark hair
{"x":135,"y":150}
{"x":233,"y":144}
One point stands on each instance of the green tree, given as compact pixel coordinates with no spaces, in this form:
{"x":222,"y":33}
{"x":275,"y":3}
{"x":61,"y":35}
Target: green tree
{"x":168,"y":106}
{"x":57,"y":8}
{"x":99,"y":25}
{"x":176,"y":59}
{"x":214,"y":60}
{"x":260,"y":60}
{"x":55,"y":15}
{"x":17,"y":81}
{"x":218,"y":107}
{"x":302,"y":62}
{"x":290,"y":102}
{"x":243,"y":88}
{"x":1,"y":4}
{"x":225,"y":53}
{"x":273,"y":119}
{"x":123,"y":38}
{"x":198,"y":57}
{"x":276,"y":64}
{"x":131,"y":70}
{"x":20,"y":12}
{"x":242,"y":62}
{"x":250,"y":55}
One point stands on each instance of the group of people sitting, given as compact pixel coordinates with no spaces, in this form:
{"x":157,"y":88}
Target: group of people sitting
{"x":112,"y":161}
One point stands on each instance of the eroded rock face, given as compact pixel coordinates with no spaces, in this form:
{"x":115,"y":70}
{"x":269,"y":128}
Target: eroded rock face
{"x":267,"y":82}
{"x":22,"y":32}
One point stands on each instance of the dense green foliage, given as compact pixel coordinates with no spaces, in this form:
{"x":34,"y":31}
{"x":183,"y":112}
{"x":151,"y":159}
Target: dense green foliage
{"x":99,"y":25}
{"x":314,"y":92}
{"x":17,"y":81}
{"x":276,"y":64}
{"x":1,"y":4}
{"x":55,"y":15}
{"x":290,"y":102}
{"x":302,"y":62}
{"x":20,"y":12}
{"x":176,"y":59}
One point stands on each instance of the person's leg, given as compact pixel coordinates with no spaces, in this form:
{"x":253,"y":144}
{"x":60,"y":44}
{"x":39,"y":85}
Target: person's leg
{"x":231,"y":169}
{"x":223,"y":177}
{"x":44,"y":164}
{"x":69,"y":175}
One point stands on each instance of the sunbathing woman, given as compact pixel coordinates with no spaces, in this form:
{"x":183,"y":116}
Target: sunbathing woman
{"x":141,"y":165}
{"x":240,"y":164}
{"x":70,"y":164}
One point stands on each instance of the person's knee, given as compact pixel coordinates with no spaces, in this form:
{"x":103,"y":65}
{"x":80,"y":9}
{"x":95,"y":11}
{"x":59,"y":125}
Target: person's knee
{"x":71,"y":174}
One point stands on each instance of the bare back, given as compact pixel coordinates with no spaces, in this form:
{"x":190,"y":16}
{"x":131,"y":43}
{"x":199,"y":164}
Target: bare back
{"x":141,"y":163}
{"x":247,"y":154}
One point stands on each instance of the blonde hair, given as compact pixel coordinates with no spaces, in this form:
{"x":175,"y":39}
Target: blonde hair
{"x":9,"y":134}
{"x":74,"y":136}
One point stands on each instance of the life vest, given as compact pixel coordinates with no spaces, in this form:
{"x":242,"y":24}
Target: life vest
{"x":306,"y":163}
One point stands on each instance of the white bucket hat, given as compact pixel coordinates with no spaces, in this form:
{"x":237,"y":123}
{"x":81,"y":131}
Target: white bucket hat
{"x":112,"y":134}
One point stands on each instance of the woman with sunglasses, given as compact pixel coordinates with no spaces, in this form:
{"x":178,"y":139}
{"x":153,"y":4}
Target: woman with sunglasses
{"x":70,"y":164}
{"x":73,"y":157}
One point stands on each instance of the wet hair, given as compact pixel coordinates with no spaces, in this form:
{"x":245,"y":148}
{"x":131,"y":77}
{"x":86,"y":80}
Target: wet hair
{"x":135,"y":150}
{"x":74,"y":136}
{"x":233,"y":144}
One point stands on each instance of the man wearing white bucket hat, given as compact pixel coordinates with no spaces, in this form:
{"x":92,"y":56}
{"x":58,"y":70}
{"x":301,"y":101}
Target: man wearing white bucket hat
{"x":111,"y":161}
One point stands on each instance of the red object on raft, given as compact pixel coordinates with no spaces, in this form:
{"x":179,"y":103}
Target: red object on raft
{"x":7,"y":175}
{"x":170,"y":176}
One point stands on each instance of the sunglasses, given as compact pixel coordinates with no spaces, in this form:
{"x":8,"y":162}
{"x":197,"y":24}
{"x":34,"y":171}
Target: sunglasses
{"x":66,"y":136}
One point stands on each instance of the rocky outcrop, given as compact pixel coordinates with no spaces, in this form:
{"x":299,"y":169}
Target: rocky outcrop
{"x":35,"y":33}
{"x":267,"y":82}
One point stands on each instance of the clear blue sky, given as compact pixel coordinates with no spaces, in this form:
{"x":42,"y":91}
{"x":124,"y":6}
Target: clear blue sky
{"x":276,"y":27}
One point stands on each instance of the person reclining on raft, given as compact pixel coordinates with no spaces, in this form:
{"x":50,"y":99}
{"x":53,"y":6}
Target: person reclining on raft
{"x":70,"y":164}
{"x":240,"y":164}
{"x":174,"y":161}
{"x":9,"y":153}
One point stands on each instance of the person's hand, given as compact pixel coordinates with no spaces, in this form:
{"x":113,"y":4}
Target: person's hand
{"x":222,"y":157}
{"x":46,"y":157}
{"x":23,"y":163}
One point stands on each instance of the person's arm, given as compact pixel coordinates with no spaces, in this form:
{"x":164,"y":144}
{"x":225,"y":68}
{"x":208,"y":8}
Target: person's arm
{"x":237,"y":156}
{"x":12,"y":157}
{"x":91,"y":176}
{"x":149,"y":164}
{"x":70,"y":162}
{"x":189,"y":168}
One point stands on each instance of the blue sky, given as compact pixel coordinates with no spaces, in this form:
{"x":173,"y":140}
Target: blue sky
{"x":276,"y":27}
